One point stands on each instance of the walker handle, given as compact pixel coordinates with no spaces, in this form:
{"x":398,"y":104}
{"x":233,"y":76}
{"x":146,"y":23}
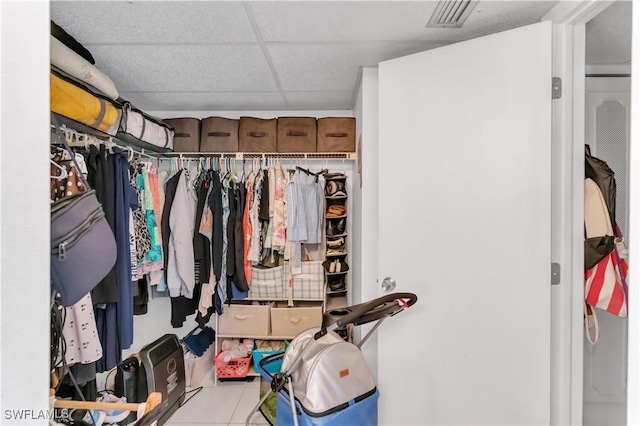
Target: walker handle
{"x":362,"y":309}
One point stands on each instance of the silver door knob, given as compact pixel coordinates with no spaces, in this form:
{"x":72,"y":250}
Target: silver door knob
{"x":388,"y":284}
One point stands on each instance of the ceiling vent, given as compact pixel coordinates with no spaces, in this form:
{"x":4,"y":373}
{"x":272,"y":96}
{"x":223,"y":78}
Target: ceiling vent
{"x":451,"y":13}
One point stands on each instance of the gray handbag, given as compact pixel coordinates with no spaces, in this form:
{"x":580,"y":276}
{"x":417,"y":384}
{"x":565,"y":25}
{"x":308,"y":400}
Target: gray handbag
{"x":83,"y":247}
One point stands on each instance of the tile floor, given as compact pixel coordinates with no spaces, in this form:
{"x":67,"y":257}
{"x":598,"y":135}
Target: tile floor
{"x":227,"y":403}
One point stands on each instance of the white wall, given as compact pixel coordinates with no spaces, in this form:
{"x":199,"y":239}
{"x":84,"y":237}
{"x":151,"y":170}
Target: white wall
{"x":366,"y":111}
{"x":24,"y":212}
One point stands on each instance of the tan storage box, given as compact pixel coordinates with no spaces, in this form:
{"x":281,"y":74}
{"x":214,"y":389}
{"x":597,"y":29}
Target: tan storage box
{"x":187,"y":134}
{"x":219,"y":135}
{"x":244,"y":320}
{"x":337,"y":134}
{"x":290,"y":321}
{"x":297,"y":134}
{"x":257,"y":134}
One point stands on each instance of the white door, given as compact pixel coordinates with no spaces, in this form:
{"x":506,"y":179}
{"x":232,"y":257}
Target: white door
{"x":464,"y":222}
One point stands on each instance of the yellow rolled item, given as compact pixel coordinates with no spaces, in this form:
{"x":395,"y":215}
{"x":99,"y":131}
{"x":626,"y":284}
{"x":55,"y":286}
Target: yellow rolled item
{"x":75,"y":103}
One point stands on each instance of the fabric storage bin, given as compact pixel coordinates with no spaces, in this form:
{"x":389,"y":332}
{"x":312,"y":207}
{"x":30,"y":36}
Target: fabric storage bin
{"x":245,"y":319}
{"x":257,"y":134}
{"x":219,"y":135}
{"x":197,"y":367}
{"x":72,"y":100}
{"x":260,"y":352}
{"x":297,"y":134}
{"x":186,"y":137}
{"x":268,"y":283}
{"x":308,"y":281}
{"x":140,"y":129}
{"x":337,"y":134}
{"x":290,"y":320}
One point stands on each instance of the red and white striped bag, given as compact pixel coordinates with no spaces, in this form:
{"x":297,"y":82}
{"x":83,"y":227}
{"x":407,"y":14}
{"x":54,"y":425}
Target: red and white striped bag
{"x":604,"y":285}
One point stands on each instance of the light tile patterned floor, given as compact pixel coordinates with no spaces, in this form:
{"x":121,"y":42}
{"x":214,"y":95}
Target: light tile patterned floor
{"x":226,"y":403}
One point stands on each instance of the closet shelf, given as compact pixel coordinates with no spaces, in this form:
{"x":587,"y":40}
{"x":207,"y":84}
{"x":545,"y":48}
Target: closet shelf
{"x":119,"y":139}
{"x":281,"y":299}
{"x":243,"y":155}
{"x":246,"y":336}
{"x":336,"y":302}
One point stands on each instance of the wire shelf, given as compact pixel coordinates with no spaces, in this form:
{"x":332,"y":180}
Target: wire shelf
{"x":262,"y":155}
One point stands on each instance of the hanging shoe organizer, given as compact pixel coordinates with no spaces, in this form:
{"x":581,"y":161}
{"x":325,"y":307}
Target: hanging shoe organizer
{"x":336,"y":264}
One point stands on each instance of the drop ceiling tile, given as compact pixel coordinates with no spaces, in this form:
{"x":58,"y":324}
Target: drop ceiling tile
{"x":319,"y":100}
{"x":341,"y":20}
{"x":192,"y":68}
{"x":153,"y":22}
{"x":318,"y":67}
{"x":257,"y":101}
{"x":301,"y":21}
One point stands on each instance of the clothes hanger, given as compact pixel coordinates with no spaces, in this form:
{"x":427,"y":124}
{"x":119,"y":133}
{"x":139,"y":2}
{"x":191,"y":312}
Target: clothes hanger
{"x":153,"y":400}
{"x":63,"y":172}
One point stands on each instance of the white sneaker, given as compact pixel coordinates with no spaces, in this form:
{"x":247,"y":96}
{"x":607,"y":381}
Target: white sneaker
{"x":114,"y":416}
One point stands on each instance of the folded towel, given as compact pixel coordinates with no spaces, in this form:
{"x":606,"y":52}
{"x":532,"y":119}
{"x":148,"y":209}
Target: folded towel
{"x":199,"y":343}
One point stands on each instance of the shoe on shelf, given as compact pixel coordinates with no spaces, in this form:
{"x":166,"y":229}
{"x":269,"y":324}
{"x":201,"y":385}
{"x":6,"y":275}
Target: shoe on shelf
{"x":335,"y":243}
{"x":335,"y":188}
{"x":336,"y":210}
{"x":337,"y":283}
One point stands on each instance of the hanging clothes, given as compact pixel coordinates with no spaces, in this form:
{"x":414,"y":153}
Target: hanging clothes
{"x":246,"y":229}
{"x":231,"y":226}
{"x":304,"y":212}
{"x":65,"y":186}
{"x":79,"y":325}
{"x":141,"y":300}
{"x":279,"y":227}
{"x":152,"y":260}
{"x":180,"y":269}
{"x":201,"y":244}
{"x":170,"y":190}
{"x":222,"y":287}
{"x":238,"y":275}
{"x":179,"y":211}
{"x":255,"y":249}
{"x":143,"y":238}
{"x":264,"y":213}
{"x":208,"y":287}
{"x":272,"y":190}
{"x":106,"y":321}
{"x":215,"y":204}
{"x":99,"y":179}
{"x":125,"y":201}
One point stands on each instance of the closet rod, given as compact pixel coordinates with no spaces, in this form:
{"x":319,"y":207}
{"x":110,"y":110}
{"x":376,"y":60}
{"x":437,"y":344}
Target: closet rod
{"x":262,"y":155}
{"x":83,"y":138}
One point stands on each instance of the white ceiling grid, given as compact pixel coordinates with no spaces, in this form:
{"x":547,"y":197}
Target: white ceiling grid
{"x":262,"y":55}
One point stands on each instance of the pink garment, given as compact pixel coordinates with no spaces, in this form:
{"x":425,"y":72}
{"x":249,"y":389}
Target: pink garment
{"x":279,"y":233}
{"x":247,"y":231}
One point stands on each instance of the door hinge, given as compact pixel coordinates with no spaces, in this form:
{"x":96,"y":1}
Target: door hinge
{"x":555,"y":273}
{"x":556,"y":88}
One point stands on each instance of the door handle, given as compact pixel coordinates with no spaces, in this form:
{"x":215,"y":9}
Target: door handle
{"x":388,"y":284}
